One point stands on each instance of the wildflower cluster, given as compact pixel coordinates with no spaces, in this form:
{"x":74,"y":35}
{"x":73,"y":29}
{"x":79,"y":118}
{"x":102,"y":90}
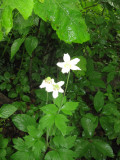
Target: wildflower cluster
{"x":50,"y":85}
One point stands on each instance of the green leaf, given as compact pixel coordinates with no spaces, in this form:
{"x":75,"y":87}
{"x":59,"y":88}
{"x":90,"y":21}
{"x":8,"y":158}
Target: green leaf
{"x":30,"y":44}
{"x":82,"y":147}
{"x":12,"y":94}
{"x":15,"y":46}
{"x":7,"y":75}
{"x":37,"y":148}
{"x":52,"y":155}
{"x":111,"y":109}
{"x":110,"y":76}
{"x":24,"y":7}
{"x":103,"y":147}
{"x":7,"y":20}
{"x":109,"y":68}
{"x":47,"y":121}
{"x":60,"y":100}
{"x":29,"y":141}
{"x":3,"y":86}
{"x":69,"y":107}
{"x":7,"y":110}
{"x":22,"y":121}
{"x":89,"y":122}
{"x":19,"y":144}
{"x":2,"y":154}
{"x":60,"y":122}
{"x":66,"y":154}
{"x":25,"y":98}
{"x":20,"y":155}
{"x":3,"y":142}
{"x":49,"y":109}
{"x":117,"y":126}
{"x":107,"y":123}
{"x":35,"y":132}
{"x":65,"y":17}
{"x":1,"y":34}
{"x":42,"y":95}
{"x":67,"y":142}
{"x":98,"y":101}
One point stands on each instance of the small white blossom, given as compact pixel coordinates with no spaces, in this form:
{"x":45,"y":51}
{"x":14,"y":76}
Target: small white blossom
{"x":68,"y":64}
{"x":47,"y":83}
{"x":57,"y":88}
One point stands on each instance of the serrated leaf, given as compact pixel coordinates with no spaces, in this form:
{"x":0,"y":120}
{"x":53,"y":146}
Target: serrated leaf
{"x":35,"y":132}
{"x":29,"y":141}
{"x":19,"y":144}
{"x":67,"y":142}
{"x":66,"y":154}
{"x":65,"y":18}
{"x":110,"y":109}
{"x":98,"y":101}
{"x":7,"y":110}
{"x":49,"y":109}
{"x":7,"y":20}
{"x":37,"y":148}
{"x":15,"y":46}
{"x":103,"y":147}
{"x":89,"y":122}
{"x":22,"y":121}
{"x":82,"y":147}
{"x":47,"y":121}
{"x":107,"y":123}
{"x":69,"y":107}
{"x":60,"y":122}
{"x":30,"y":44}
{"x":52,"y":155}
{"x":20,"y":155}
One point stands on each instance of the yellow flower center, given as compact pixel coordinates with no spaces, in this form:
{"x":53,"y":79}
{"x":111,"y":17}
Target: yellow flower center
{"x":48,"y":80}
{"x":56,"y":87}
{"x":67,"y":65}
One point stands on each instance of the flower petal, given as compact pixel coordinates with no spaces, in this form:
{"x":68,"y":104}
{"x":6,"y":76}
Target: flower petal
{"x":43,"y":85}
{"x":60,"y":83}
{"x":75,"y":68}
{"x":66,"y":57}
{"x":61,"y":90}
{"x":52,"y":81}
{"x":60,"y":64}
{"x":75,"y":61}
{"x":49,"y":88}
{"x":65,"y":70}
{"x":55,"y":94}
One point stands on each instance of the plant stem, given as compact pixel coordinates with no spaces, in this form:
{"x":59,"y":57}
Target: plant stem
{"x":47,"y":98}
{"x":67,"y":83}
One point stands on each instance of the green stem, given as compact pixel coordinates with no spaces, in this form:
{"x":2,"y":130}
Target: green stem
{"x":47,"y":99}
{"x":67,"y":83}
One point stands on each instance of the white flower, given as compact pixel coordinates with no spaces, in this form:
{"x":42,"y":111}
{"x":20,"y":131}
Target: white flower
{"x":68,"y":64}
{"x":57,"y":88}
{"x":47,"y":83}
